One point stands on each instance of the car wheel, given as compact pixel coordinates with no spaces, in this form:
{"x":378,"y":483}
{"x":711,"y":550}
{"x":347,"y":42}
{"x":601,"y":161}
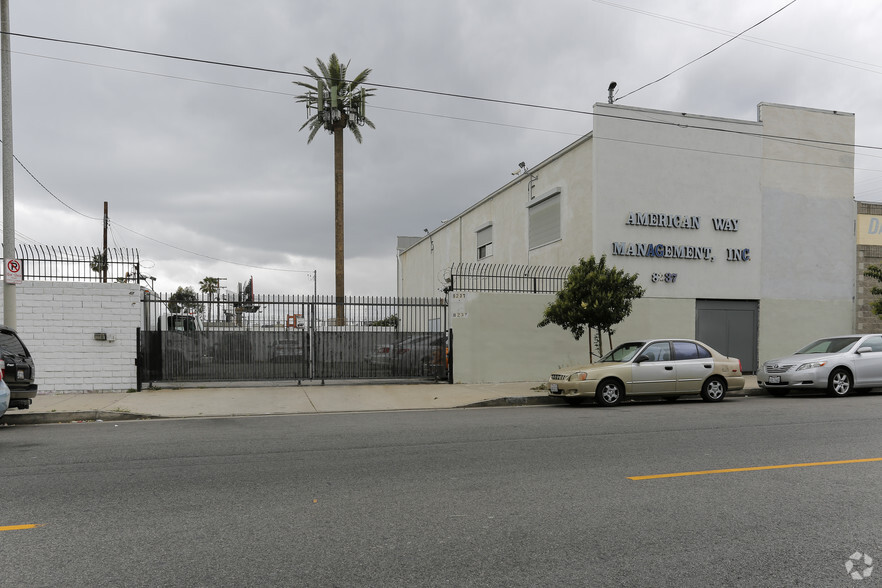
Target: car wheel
{"x":609,"y":393}
{"x":713,"y":390}
{"x":574,"y":400}
{"x":840,"y":383}
{"x":778,"y":391}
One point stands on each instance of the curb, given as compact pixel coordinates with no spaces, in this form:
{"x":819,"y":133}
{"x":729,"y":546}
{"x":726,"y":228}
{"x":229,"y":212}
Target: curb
{"x":45,"y":418}
{"x":543,"y":400}
{"x":515,"y":401}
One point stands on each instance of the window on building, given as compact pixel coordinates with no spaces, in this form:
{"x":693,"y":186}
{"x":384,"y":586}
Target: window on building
{"x":544,"y":218}
{"x":485,"y":242}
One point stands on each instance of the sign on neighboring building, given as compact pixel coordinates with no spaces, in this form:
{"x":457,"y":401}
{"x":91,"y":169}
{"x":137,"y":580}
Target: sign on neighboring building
{"x":869,"y":229}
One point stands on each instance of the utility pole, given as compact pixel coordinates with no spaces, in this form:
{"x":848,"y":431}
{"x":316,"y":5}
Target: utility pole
{"x":9,"y":317}
{"x":104,"y":254}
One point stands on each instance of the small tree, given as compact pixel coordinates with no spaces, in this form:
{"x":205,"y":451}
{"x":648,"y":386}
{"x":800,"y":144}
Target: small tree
{"x":593,"y":297}
{"x":99,"y":265}
{"x":209,"y":286}
{"x":389,"y":321}
{"x":875,"y":272}
{"x":183,"y":300}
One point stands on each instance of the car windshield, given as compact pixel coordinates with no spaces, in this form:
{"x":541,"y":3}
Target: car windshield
{"x":832,"y":345}
{"x":623,"y":352}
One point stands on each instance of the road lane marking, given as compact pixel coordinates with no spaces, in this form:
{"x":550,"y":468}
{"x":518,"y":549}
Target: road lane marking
{"x":754,"y":469}
{"x":19,"y":527}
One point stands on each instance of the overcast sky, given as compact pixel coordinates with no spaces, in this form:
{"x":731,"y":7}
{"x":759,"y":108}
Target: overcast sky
{"x":207,"y":160}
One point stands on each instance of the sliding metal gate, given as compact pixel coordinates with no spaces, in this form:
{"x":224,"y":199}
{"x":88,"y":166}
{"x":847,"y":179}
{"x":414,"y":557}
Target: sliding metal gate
{"x":201,"y":339}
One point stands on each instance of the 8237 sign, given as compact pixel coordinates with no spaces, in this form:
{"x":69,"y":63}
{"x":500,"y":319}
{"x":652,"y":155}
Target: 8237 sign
{"x":664,"y":278}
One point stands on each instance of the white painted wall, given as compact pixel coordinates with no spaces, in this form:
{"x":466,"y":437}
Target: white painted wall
{"x":646,"y":163}
{"x":422,"y":267}
{"x":58,"y":322}
{"x":496,"y":338}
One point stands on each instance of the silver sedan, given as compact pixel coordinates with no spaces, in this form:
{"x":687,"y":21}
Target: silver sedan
{"x":838,"y":365}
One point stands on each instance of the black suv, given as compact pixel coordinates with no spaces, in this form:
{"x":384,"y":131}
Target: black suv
{"x":19,"y":369}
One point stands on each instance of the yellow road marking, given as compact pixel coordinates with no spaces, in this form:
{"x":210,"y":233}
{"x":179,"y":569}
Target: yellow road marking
{"x":754,"y":469}
{"x":18,"y":527}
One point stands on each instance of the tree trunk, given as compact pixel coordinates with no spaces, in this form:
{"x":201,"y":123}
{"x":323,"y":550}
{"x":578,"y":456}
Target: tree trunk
{"x":338,"y":223}
{"x":590,"y":345}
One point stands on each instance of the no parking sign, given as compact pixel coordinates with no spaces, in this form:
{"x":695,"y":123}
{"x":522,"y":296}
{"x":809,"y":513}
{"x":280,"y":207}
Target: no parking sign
{"x":13,"y":271}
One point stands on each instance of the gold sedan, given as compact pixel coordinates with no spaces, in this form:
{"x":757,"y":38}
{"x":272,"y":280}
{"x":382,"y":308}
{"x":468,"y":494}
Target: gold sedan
{"x":668,"y":368}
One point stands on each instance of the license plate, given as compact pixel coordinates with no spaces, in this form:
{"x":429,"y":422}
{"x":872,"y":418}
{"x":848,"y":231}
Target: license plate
{"x":774,"y":379}
{"x":553,"y":388}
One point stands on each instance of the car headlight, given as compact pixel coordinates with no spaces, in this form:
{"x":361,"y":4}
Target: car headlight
{"x":811,"y":365}
{"x":578,"y":377}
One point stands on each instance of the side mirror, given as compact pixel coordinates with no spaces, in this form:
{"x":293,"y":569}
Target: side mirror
{"x":641,"y":359}
{"x":865,"y":350}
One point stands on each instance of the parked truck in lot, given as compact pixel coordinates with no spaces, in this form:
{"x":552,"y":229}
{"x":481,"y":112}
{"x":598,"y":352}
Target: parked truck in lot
{"x":173,"y":343}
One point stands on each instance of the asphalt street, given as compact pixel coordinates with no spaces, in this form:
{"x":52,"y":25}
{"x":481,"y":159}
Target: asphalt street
{"x":519,"y":496}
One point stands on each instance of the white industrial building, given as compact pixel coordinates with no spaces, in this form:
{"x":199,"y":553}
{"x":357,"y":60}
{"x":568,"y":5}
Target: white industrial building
{"x":742,"y":233}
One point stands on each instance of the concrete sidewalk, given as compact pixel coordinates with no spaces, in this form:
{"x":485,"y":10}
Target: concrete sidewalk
{"x":277,"y":400}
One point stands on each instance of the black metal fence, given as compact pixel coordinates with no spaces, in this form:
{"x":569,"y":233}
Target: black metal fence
{"x":292,"y":338}
{"x":81,"y":264}
{"x":488,"y":277}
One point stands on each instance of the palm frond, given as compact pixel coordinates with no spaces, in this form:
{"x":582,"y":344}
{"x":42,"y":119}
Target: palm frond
{"x":332,"y":74}
{"x":326,"y":74}
{"x":312,"y":133}
{"x":309,"y":121}
{"x":360,"y":78}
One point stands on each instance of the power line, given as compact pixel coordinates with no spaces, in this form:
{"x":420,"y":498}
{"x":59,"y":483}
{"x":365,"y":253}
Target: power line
{"x":709,"y":52}
{"x":288,"y":94}
{"x":839,"y":60}
{"x":821,"y":144}
{"x":437,"y":92}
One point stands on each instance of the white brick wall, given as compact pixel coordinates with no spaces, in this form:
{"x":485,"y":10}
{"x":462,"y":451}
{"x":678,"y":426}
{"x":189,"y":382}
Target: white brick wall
{"x":58,"y":322}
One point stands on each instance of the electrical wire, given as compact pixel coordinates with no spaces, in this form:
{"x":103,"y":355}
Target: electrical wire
{"x":708,"y":53}
{"x":394,"y":87}
{"x":288,"y":94}
{"x":433,"y":92}
{"x":839,"y":60}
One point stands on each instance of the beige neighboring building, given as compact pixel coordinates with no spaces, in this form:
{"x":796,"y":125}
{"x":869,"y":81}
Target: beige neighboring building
{"x":742,"y":232}
{"x":869,"y":252}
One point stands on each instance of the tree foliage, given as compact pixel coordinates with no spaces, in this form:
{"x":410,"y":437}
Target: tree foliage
{"x":183,"y":300}
{"x":209,"y":285}
{"x":875,"y":272}
{"x":594,"y":297}
{"x":98,"y":263}
{"x":346,"y":109}
{"x":389,"y":321}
